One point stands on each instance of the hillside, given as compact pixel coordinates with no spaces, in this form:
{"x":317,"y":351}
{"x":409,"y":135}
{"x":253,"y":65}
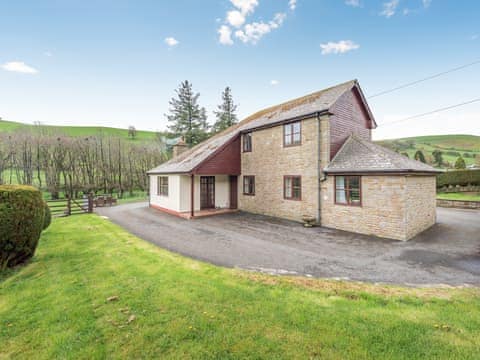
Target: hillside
{"x":142,"y":135}
{"x":452,"y":146}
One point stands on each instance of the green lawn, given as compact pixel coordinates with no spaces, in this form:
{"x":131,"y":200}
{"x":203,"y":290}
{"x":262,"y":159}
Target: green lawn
{"x":459,"y":196}
{"x":9,"y":126}
{"x":172,"y":307}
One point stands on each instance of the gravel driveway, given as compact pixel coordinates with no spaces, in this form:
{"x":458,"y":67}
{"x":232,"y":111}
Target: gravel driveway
{"x":448,"y":253}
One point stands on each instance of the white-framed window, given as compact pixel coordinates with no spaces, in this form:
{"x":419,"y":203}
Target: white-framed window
{"x":162,"y":185}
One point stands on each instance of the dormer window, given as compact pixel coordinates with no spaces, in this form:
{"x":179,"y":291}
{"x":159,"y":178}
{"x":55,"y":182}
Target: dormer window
{"x":247,"y":142}
{"x":292,"y":134}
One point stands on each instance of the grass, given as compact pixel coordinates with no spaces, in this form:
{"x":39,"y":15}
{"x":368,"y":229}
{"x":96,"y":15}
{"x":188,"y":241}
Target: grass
{"x":460,"y":143}
{"x":459,"y":196}
{"x":168,"y":306}
{"x":9,"y":126}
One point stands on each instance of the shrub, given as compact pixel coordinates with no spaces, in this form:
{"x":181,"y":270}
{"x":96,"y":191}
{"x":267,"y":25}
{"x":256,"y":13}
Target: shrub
{"x":459,"y":177}
{"x":47,"y":218}
{"x":21,"y":222}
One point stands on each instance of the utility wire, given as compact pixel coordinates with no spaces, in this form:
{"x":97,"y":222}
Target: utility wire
{"x":424,"y":79}
{"x":431,"y":112}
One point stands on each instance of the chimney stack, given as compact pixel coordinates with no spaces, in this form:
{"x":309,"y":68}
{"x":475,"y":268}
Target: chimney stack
{"x":179,"y":147}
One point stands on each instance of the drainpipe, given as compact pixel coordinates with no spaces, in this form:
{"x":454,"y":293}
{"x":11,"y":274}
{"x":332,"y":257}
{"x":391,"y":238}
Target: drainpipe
{"x":192,"y":195}
{"x":319,"y":170}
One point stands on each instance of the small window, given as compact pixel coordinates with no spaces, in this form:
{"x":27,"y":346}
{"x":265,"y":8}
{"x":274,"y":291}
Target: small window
{"x":247,"y":142}
{"x":162,"y":185}
{"x":249,"y":185}
{"x":348,"y":190}
{"x":292,"y":187}
{"x":292,"y":134}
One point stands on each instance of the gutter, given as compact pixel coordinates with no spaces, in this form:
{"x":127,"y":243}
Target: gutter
{"x":288,"y":120}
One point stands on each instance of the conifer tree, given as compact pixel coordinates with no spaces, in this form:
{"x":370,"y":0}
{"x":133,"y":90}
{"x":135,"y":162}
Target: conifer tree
{"x":186,"y":117}
{"x":419,"y":156}
{"x":225,"y":114}
{"x":460,"y":163}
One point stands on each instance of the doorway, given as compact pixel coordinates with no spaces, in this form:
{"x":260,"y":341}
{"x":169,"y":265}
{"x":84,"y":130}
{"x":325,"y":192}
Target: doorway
{"x":207,"y":192}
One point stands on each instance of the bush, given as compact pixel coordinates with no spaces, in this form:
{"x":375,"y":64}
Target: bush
{"x":47,"y":218}
{"x":21,"y":222}
{"x":459,"y":177}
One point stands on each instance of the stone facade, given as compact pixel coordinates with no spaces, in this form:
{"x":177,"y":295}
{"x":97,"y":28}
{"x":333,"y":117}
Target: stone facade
{"x":269,"y":161}
{"x":393,"y":206}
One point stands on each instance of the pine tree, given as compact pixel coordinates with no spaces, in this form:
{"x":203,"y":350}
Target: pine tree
{"x":419,"y":156}
{"x":186,"y":117}
{"x":225,"y":114}
{"x":438,"y":157}
{"x":460,"y":163}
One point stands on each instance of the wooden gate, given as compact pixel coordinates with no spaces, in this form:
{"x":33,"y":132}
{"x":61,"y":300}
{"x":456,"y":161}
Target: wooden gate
{"x":67,"y":207}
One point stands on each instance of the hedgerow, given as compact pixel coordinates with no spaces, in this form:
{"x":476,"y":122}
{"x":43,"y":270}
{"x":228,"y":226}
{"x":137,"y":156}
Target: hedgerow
{"x":21,"y":223}
{"x":459,"y":177}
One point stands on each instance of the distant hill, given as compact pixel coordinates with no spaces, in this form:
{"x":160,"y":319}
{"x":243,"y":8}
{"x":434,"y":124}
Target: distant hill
{"x":452,"y":146}
{"x":142,"y":135}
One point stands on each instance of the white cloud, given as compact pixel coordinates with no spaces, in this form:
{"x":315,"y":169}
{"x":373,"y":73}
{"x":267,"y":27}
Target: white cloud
{"x":389,"y":8}
{"x":354,"y":3}
{"x":225,"y":35}
{"x":19,"y":66}
{"x":474,"y":37}
{"x":235,"y":18}
{"x":292,"y":4}
{"x":339,"y":47}
{"x":171,"y":41}
{"x":426,"y":3}
{"x":253,"y":32}
{"x":48,"y":54}
{"x":274,"y":82}
{"x":245,"y":6}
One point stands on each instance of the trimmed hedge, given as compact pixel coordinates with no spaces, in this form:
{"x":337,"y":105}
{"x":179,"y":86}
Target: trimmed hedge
{"x":47,"y":218}
{"x":459,"y":177}
{"x":21,"y":222}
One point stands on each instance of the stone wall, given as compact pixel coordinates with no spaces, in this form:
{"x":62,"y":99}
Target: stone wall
{"x":460,"y":204}
{"x":393,"y":206}
{"x":420,"y":204}
{"x":382,"y":212}
{"x":269,"y":161}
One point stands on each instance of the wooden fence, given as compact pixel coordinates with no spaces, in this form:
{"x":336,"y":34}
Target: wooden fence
{"x":68,"y":206}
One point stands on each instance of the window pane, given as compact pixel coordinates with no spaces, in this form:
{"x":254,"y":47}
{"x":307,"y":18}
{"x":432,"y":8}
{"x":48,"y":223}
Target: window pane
{"x":288,"y":187}
{"x":296,"y":138}
{"x":288,"y":139}
{"x":296,"y":127}
{"x":340,"y":197}
{"x":354,"y":196}
{"x":354,"y":182}
{"x":296,"y":181}
{"x":340,"y":182}
{"x":288,"y":129}
{"x":296,"y":193}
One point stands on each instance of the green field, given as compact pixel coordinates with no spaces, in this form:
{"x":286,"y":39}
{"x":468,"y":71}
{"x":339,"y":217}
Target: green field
{"x":459,"y":196}
{"x":469,"y":144}
{"x":95,"y":291}
{"x":9,"y":126}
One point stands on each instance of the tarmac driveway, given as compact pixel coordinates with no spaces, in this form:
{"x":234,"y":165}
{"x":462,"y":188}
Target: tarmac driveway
{"x":447,"y":253}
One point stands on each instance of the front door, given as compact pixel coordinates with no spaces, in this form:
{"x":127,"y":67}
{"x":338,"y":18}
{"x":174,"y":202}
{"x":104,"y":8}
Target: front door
{"x":233,"y":192}
{"x":207,"y":192}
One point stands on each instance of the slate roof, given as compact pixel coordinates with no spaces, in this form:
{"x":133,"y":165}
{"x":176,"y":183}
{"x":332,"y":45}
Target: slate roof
{"x":361,"y":156}
{"x":317,"y":102}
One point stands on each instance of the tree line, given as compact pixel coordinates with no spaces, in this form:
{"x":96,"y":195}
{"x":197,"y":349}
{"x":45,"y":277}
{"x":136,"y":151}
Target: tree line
{"x":74,"y":165}
{"x":58,"y":163}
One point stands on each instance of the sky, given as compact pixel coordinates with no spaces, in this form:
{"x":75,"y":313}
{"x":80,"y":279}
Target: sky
{"x":117,"y":62}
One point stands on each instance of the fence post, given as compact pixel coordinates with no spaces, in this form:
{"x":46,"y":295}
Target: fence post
{"x":69,"y":206}
{"x":90,"y":203}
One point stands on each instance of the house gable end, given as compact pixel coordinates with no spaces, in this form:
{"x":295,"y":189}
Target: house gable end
{"x":224,"y":161}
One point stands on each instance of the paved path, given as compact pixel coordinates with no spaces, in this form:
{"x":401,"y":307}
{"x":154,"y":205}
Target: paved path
{"x":448,"y":253}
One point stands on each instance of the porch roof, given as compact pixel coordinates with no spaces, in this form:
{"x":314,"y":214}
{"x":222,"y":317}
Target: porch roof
{"x":361,"y":156}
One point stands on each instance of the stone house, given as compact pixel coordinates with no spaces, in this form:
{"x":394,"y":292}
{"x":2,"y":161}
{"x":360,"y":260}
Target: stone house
{"x":310,"y":157}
